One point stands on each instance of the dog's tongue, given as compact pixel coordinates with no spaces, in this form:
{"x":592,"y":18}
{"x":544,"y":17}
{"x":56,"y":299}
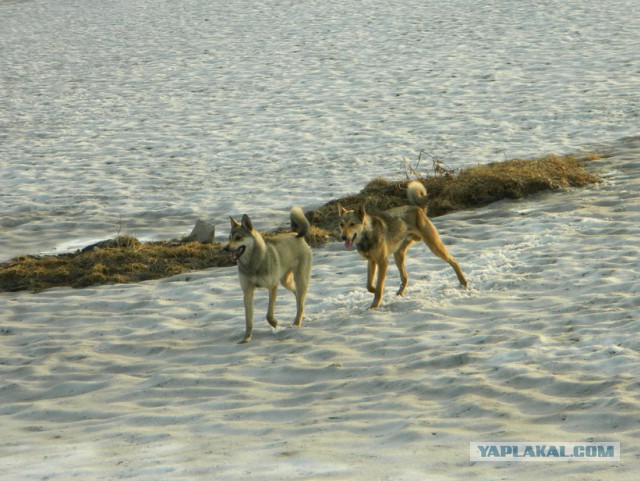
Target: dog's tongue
{"x":235,"y":254}
{"x":348,"y":244}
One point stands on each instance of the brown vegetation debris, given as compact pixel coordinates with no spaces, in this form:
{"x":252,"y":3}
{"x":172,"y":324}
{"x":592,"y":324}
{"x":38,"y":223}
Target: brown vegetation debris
{"x":125,"y":259}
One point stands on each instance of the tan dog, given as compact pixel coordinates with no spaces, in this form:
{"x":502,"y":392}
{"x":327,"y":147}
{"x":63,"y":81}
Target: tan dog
{"x":264,"y":263}
{"x":379,"y":235}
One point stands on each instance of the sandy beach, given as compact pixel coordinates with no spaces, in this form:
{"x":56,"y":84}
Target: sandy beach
{"x":145,"y":116}
{"x":146,"y":381}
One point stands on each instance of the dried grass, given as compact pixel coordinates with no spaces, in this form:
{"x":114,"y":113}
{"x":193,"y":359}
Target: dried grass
{"x":126,"y":260}
{"x":468,"y":188}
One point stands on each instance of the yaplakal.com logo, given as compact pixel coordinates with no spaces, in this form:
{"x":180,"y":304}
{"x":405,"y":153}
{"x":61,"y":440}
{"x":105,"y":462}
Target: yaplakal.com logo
{"x":541,"y":451}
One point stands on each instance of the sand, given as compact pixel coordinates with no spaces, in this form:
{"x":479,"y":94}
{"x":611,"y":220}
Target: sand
{"x":148,"y":115}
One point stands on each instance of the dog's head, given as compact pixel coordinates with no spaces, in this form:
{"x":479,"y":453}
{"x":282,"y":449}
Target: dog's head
{"x":240,"y":238}
{"x":352,"y":223}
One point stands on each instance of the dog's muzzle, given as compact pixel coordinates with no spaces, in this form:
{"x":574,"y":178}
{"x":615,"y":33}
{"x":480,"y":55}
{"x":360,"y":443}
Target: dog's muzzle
{"x":235,"y":254}
{"x":348,"y":243}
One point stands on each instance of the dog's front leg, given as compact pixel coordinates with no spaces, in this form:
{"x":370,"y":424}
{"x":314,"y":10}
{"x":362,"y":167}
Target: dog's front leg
{"x":382,"y":274}
{"x":273,"y":293}
{"x":371,"y":274}
{"x":248,"y":313}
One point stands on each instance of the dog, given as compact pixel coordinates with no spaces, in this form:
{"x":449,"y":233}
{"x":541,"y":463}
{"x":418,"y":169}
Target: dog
{"x":377,"y":236}
{"x":263,"y":263}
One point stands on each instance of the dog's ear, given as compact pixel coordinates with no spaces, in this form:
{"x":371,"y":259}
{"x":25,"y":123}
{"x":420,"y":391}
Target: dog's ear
{"x":234,"y":223}
{"x":361,"y":213}
{"x":246,"y":222}
{"x":341,"y":210}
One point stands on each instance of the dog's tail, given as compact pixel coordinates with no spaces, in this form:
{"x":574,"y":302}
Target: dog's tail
{"x":417,"y":194}
{"x":299,"y":223}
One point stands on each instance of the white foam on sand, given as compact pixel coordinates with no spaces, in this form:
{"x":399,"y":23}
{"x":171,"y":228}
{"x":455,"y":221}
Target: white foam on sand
{"x":117,"y":114}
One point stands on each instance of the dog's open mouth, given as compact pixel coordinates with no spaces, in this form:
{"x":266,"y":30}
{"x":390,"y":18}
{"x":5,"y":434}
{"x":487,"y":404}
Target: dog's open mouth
{"x":348,"y":243}
{"x":236,"y":253}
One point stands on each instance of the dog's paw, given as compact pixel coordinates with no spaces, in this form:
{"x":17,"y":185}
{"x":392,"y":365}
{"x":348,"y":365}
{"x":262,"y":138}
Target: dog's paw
{"x":273,"y":322}
{"x":244,"y":340}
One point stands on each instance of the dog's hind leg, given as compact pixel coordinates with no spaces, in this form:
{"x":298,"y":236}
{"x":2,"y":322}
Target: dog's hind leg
{"x":301,"y":279}
{"x":456,"y":267}
{"x":288,"y":282}
{"x":273,"y":293}
{"x":398,"y":257}
{"x":430,"y":236}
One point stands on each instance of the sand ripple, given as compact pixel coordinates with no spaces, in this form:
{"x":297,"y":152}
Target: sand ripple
{"x":146,"y":381}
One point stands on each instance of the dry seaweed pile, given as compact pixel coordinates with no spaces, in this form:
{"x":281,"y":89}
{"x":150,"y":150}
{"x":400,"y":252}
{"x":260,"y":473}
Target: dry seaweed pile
{"x":118,"y":262}
{"x":126,"y":260}
{"x":468,"y":188}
